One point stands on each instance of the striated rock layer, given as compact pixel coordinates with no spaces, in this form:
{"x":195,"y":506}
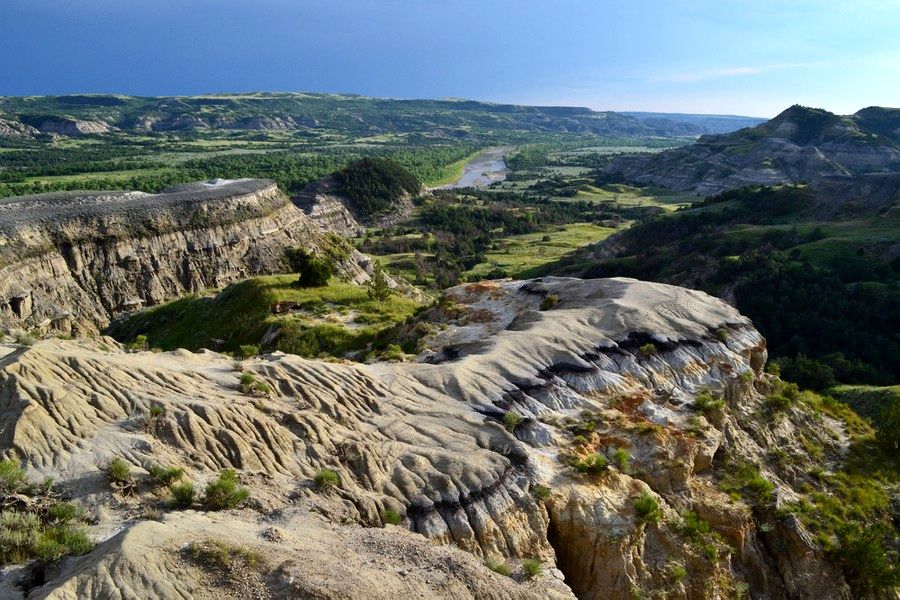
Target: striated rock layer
{"x":616,"y":360}
{"x":75,"y":260}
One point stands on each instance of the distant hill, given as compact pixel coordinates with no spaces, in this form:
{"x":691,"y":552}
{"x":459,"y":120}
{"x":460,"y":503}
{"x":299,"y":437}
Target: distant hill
{"x":707,"y":124}
{"x":78,"y":115}
{"x":800,"y":144}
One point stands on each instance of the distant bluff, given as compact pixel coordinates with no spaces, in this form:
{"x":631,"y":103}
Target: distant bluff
{"x":800,"y":144}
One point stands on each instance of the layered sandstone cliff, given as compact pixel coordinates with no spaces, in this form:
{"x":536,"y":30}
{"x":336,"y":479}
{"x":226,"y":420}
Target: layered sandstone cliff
{"x":591,"y":367}
{"x":75,"y":260}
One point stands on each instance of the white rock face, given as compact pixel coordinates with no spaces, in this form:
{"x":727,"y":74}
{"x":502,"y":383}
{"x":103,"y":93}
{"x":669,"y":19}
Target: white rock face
{"x":613,"y":361}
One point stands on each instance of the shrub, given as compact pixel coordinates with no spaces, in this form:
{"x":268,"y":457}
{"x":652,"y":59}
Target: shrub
{"x":722,"y":334}
{"x":138,"y":343}
{"x":748,"y":376}
{"x":118,"y":472}
{"x":326,"y":479}
{"x":745,"y":479}
{"x":248,"y":350}
{"x":391,"y":517}
{"x":12,"y":477}
{"x":222,"y":555}
{"x":393,"y":353}
{"x":501,"y":568}
{"x":647,"y":349}
{"x":24,"y":339}
{"x":62,"y":540}
{"x":512,"y":419}
{"x":549,"y":301}
{"x":313,"y":271}
{"x":165,"y":475}
{"x":865,"y":563}
{"x":183,"y":495}
{"x":252,"y":386}
{"x":64,"y":512}
{"x":378,"y":288}
{"x":593,"y":464}
{"x":693,"y":527}
{"x":705,"y":402}
{"x":531,"y":568}
{"x":541,"y":492}
{"x":677,"y":572}
{"x":225,"y":493}
{"x":778,"y":403}
{"x":156,"y":412}
{"x":622,"y":460}
{"x":646,"y":509}
{"x":22,"y":537}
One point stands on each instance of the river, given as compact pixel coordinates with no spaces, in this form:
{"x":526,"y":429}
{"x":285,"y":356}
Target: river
{"x":484,"y":169}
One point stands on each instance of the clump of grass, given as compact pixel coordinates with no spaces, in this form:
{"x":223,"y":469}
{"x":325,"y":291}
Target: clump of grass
{"x":23,"y":536}
{"x":722,"y":334}
{"x":64,"y":512}
{"x":542,"y":492}
{"x":393,"y":353}
{"x":501,"y":568}
{"x":138,"y":343}
{"x":248,"y":350}
{"x":224,"y":492}
{"x":549,"y":301}
{"x":12,"y":477}
{"x":183,"y":495}
{"x":745,"y":479}
{"x":646,"y":509}
{"x":25,"y":339}
{"x":592,"y":464}
{"x":512,"y":419}
{"x":118,"y":472}
{"x":676,"y":571}
{"x":693,"y":527}
{"x":647,"y":349}
{"x":706,"y":402}
{"x":165,"y":475}
{"x":531,"y":568}
{"x":748,"y":376}
{"x":226,"y":556}
{"x":251,"y":385}
{"x":622,"y":459}
{"x":391,"y":517}
{"x":326,"y":479}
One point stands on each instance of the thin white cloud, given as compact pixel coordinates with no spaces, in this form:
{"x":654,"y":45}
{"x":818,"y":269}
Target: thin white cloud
{"x":729,"y":72}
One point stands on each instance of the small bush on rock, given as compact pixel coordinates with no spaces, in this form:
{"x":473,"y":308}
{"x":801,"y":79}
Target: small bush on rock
{"x":647,"y":349}
{"x":622,"y":460}
{"x":326,"y":479}
{"x":549,"y":301}
{"x":592,"y":465}
{"x":183,"y":495}
{"x":541,"y":492}
{"x":165,"y":475}
{"x":12,"y":477}
{"x":225,"y":493}
{"x":512,"y":419}
{"x":118,"y":472}
{"x":391,"y":517}
{"x":531,"y":568}
{"x":646,"y":509}
{"x":706,"y":402}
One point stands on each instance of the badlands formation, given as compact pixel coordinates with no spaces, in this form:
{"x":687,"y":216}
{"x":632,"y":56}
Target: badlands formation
{"x":484,"y":451}
{"x":73,"y":261}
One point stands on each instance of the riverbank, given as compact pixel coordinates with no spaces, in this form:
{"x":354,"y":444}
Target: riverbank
{"x":485,"y":168}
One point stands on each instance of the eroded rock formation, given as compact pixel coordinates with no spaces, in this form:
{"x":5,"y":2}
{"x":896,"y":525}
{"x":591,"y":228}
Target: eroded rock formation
{"x":74,"y":260}
{"x":590,"y":367}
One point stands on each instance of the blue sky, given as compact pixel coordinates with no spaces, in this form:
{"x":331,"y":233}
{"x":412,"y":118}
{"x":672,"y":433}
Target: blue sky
{"x":725,"y":56}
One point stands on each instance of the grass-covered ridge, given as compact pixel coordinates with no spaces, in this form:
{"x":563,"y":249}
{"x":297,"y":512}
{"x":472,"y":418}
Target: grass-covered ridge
{"x":330,"y":320}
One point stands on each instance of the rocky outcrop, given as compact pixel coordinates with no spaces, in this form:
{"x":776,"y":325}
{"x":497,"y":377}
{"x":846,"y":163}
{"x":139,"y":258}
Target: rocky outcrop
{"x":68,"y":126}
{"x":590,"y":367}
{"x":327,"y":209}
{"x":73,"y":261}
{"x":15,"y":129}
{"x":800,"y":144}
{"x":324,"y":204}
